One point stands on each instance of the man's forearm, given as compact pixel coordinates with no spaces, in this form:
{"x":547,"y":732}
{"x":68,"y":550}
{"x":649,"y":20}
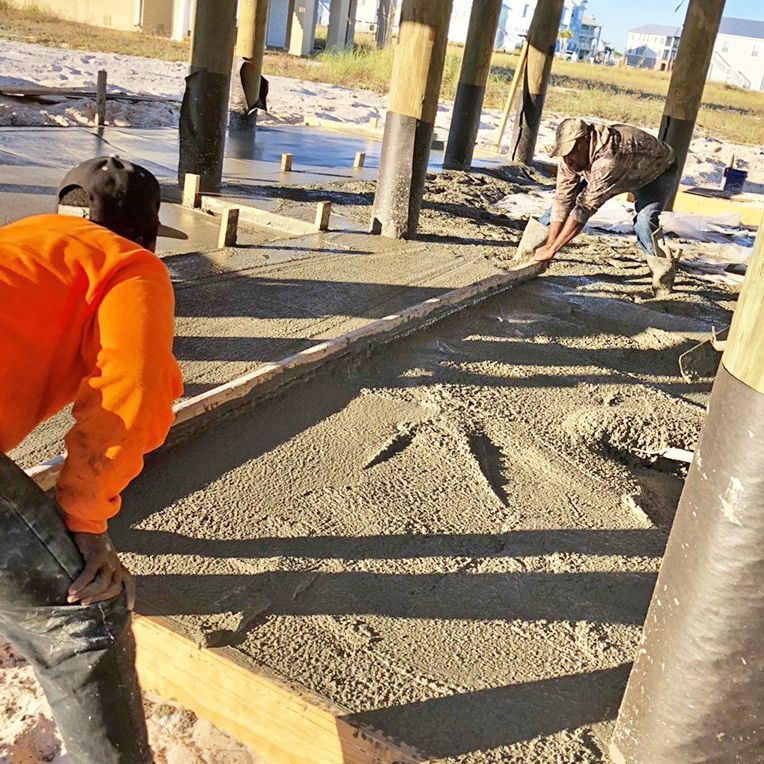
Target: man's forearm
{"x":564,"y":233}
{"x":555,"y":228}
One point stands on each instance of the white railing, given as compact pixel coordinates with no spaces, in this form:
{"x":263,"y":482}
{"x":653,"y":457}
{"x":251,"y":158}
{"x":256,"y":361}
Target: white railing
{"x":731,"y":75}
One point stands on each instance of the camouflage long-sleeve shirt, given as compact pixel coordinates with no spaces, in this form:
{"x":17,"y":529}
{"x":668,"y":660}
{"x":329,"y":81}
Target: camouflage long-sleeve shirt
{"x":621,"y":158}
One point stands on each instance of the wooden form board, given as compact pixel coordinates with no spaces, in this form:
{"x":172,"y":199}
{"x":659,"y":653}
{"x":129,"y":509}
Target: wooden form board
{"x":748,"y":206}
{"x":255,"y":216}
{"x":280,"y":723}
{"x":383,"y":329}
{"x":21,"y":92}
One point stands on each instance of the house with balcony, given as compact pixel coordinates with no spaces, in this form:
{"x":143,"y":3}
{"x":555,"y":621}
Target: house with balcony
{"x":738,"y":57}
{"x":652,"y":46}
{"x":589,"y":42}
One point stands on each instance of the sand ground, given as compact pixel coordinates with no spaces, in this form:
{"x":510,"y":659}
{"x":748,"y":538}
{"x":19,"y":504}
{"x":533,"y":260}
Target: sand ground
{"x":290,"y":102}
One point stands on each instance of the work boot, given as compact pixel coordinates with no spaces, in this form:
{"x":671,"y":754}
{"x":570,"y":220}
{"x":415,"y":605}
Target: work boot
{"x":664,"y":271}
{"x":663,"y":266}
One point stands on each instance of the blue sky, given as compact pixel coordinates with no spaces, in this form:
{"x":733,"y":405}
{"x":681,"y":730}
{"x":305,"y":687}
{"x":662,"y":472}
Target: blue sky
{"x":619,"y":16}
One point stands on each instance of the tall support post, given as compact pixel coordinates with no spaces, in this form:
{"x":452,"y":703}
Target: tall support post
{"x":688,"y":78}
{"x":695,"y":693}
{"x":180,"y":9}
{"x":204,"y":113}
{"x":542,"y":40}
{"x":339,"y":20}
{"x":417,"y":73}
{"x":468,"y":106}
{"x":302,"y":34}
{"x":250,"y":46}
{"x":385,"y":21}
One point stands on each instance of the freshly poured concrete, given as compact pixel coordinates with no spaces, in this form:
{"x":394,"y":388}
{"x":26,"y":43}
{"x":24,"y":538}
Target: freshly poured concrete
{"x":456,"y":538}
{"x":274,"y":294}
{"x":239,"y":308}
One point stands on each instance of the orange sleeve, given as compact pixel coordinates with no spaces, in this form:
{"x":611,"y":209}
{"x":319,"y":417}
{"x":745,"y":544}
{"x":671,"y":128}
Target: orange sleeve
{"x":123,"y":408}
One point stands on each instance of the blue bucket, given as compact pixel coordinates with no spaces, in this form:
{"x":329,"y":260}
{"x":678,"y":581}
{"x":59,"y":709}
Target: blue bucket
{"x":734,"y":180}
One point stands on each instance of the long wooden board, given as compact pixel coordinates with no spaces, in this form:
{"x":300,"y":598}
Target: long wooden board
{"x":381,"y":330}
{"x":11,"y":91}
{"x":284,"y":725}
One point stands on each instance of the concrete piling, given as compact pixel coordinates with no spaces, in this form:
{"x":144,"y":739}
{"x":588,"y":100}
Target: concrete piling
{"x":695,"y":693}
{"x":204,"y":112}
{"x":688,"y":78}
{"x":468,"y":106}
{"x":417,"y":75}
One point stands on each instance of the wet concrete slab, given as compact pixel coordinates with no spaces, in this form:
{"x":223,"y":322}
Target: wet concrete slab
{"x":432,"y":536}
{"x":272,"y":295}
{"x":242,"y":307}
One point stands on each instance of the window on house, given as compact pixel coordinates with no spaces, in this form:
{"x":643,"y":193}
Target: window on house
{"x":755,"y":51}
{"x":725,"y":47}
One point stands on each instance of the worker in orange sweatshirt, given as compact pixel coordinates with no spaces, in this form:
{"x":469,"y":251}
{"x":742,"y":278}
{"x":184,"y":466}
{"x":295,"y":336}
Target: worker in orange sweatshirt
{"x":86,"y":316}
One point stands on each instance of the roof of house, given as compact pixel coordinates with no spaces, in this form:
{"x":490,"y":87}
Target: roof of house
{"x":742,"y":28}
{"x":590,"y":21}
{"x":658,"y":30}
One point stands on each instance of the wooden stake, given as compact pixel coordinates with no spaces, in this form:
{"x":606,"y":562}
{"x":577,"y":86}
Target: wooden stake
{"x":101,"y":98}
{"x":360,"y":158}
{"x":191,"y":195}
{"x":323,"y":214}
{"x":229,"y":228}
{"x":517,"y":78}
{"x":286,"y":163}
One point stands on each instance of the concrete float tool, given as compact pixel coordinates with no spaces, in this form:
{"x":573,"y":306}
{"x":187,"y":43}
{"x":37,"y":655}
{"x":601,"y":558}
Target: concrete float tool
{"x":702,"y":360}
{"x":534,"y":235}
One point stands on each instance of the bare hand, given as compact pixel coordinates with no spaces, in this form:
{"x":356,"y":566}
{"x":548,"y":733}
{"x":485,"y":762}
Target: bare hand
{"x":103,"y":575}
{"x":543,"y":254}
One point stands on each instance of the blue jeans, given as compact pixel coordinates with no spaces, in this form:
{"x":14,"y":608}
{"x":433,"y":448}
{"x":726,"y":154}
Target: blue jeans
{"x":649,"y":202}
{"x":84,"y":657}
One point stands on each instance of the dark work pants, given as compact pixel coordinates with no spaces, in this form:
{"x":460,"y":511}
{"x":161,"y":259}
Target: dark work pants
{"x":649,"y":202}
{"x":84,"y":657}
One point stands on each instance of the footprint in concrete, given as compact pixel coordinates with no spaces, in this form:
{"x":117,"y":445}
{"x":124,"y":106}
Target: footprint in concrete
{"x":393,"y":445}
{"x":491,"y":462}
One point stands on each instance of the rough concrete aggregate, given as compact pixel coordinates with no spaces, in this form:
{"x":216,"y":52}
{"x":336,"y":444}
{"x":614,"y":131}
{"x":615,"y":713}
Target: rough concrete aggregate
{"x":455,"y":538}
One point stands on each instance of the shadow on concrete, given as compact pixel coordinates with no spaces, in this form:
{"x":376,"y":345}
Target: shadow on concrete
{"x":501,"y":716}
{"x":599,"y":597}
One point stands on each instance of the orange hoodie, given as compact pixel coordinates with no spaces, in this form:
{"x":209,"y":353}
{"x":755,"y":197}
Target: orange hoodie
{"x":86,"y":316}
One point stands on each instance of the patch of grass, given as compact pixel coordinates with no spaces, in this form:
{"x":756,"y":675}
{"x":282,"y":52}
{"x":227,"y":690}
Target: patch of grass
{"x":610,"y":93}
{"x":34,"y":25}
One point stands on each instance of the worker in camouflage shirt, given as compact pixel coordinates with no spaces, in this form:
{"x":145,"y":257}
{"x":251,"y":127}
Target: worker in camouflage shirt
{"x":598,"y":162}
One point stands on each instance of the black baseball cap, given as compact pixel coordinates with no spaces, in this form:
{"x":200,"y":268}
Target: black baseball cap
{"x":117,"y":194}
